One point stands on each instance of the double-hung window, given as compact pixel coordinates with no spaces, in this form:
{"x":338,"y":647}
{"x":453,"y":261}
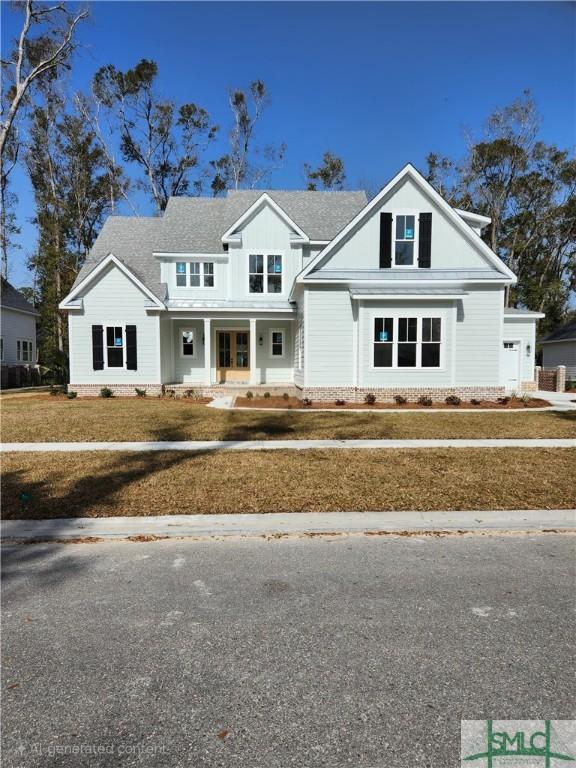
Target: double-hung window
{"x":24,"y":351}
{"x":187,"y":342}
{"x":405,"y":241}
{"x":195,"y":274}
{"x":115,"y":346}
{"x":407,"y":342}
{"x":267,"y":280}
{"x":277,"y":343}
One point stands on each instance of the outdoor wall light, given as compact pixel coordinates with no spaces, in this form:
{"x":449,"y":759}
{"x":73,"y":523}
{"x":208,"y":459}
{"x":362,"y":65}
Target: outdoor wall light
{"x":528,"y":350}
{"x":261,"y":340}
{"x":202,"y":339}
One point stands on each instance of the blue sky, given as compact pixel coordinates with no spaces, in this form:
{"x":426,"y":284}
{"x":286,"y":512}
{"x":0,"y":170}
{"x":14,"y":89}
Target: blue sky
{"x":379,"y":84}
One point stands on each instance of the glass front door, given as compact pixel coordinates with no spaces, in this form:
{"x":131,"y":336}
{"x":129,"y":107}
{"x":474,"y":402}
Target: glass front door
{"x":233,"y":356}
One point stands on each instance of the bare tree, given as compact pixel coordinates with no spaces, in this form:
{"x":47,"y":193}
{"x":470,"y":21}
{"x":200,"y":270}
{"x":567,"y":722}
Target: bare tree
{"x":36,"y":57}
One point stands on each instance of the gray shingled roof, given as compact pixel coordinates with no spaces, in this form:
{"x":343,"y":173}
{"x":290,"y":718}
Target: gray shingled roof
{"x":565,"y":333}
{"x":10,"y":298}
{"x":196,"y":225}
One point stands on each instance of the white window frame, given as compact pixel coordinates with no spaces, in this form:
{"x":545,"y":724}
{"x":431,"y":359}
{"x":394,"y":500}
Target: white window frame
{"x":420,"y":317}
{"x":105,"y":340}
{"x":414,"y":264}
{"x":19,"y":351}
{"x":265,"y":255}
{"x":202,"y":274}
{"x":181,"y":345}
{"x":271,"y":333}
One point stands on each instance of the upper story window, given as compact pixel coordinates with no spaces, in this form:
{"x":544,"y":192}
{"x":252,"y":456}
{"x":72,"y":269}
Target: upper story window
{"x":195,"y":274}
{"x":267,"y":280}
{"x":405,"y":241}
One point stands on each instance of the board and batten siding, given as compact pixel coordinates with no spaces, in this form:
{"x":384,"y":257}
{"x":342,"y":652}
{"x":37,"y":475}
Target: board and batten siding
{"x":450,"y":249}
{"x":405,"y":377}
{"x":17,"y":325}
{"x":113,"y":299}
{"x":560,"y":353}
{"x":479,"y":336}
{"x":329,"y":337}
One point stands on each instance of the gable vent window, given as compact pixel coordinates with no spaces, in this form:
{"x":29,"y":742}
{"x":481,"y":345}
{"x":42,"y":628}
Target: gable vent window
{"x":195,"y":274}
{"x":405,"y":238}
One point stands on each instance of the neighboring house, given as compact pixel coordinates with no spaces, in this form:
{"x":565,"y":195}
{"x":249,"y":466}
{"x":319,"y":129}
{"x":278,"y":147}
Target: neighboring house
{"x":321,"y":292}
{"x":559,"y":348}
{"x":18,"y":328}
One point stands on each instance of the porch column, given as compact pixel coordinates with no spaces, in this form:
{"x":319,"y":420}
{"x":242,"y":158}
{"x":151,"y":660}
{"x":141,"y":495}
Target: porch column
{"x":253,"y":348}
{"x":207,"y":352}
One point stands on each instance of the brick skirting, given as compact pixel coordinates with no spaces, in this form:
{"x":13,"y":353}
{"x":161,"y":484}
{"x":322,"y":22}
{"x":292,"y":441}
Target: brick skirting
{"x":153,"y":390}
{"x":357,"y":394}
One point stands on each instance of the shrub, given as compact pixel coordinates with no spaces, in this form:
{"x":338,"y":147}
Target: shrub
{"x":266,"y":395}
{"x":106,"y":392}
{"x":399,"y":400}
{"x":452,"y":400}
{"x":339,"y":402}
{"x":192,"y":394}
{"x":140,"y":392}
{"x":286,"y":396}
{"x":249,"y":395}
{"x":474,"y":401}
{"x":370,"y":398}
{"x":514,"y":396}
{"x":171,"y":393}
{"x":55,"y":390}
{"x":306,"y":402}
{"x":424,"y":400}
{"x":503,"y":400}
{"x":71,"y":395}
{"x":526,"y":400}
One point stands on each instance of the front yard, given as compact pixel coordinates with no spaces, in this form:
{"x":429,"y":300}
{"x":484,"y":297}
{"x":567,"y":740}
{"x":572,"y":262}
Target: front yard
{"x":43,"y":418}
{"x":95,"y":484}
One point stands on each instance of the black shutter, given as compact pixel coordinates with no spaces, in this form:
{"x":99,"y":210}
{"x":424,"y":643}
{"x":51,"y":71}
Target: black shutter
{"x":131,"y":356}
{"x":97,"y":347}
{"x":385,"y":240}
{"x":425,"y":241}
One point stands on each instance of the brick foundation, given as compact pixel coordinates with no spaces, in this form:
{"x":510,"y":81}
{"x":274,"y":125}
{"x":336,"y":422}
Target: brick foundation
{"x":153,"y":390}
{"x":357,"y":394}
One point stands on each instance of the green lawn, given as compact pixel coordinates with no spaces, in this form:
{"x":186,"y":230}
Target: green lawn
{"x":103,"y":484}
{"x":46,"y":419}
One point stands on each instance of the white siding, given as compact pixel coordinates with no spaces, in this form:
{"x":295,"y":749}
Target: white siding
{"x":17,"y":325}
{"x":479,"y":338}
{"x":522,"y":329}
{"x":450,"y":249}
{"x":560,"y":353}
{"x":113,"y":299}
{"x":329,"y":332}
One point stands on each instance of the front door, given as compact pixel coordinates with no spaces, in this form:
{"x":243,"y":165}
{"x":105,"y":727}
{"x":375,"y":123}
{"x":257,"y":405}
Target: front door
{"x":511,"y":365}
{"x":233,"y":356}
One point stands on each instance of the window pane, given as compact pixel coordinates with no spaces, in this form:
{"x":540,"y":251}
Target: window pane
{"x":383,"y":355}
{"x":406,"y":355}
{"x":277,"y":343}
{"x":275,"y":265}
{"x":181,"y":274}
{"x":426,"y":328}
{"x":407,"y":328}
{"x":436,"y":329}
{"x":181,"y":281}
{"x":115,"y":357}
{"x":242,"y":350}
{"x":256,"y":263}
{"x":209,"y":274}
{"x":109,"y":337}
{"x":383,"y":329}
{"x":404,"y":254}
{"x":409,"y":228}
{"x":256,"y":283}
{"x":187,"y":342}
{"x":274,"y":284}
{"x":430,"y":355}
{"x":117,"y":337}
{"x":400,"y":221}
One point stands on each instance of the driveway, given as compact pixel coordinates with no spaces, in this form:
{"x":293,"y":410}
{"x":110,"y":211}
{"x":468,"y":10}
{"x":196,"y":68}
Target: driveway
{"x":356,"y":651}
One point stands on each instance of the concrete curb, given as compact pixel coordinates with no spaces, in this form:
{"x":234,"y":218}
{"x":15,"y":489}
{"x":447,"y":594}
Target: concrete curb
{"x":298,"y":523}
{"x":204,"y":446}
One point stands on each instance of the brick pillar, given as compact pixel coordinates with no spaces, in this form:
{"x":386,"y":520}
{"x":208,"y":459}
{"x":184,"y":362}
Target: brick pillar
{"x":560,"y":378}
{"x":537,"y":369}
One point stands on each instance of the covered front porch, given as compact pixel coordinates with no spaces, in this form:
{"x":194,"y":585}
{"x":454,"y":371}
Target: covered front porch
{"x":230,"y":351}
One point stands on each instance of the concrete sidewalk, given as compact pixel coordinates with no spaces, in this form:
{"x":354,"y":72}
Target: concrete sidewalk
{"x":203,"y":446}
{"x":289,"y":524}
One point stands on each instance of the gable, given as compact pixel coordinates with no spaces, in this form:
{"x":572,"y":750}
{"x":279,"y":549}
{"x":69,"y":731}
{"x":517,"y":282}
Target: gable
{"x":266,"y":228}
{"x":450,"y":248}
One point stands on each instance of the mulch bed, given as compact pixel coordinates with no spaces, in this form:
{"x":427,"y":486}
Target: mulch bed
{"x":294,"y":403}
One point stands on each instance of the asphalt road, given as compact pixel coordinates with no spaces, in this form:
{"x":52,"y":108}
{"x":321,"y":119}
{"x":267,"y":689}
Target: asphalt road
{"x":356,"y":651}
